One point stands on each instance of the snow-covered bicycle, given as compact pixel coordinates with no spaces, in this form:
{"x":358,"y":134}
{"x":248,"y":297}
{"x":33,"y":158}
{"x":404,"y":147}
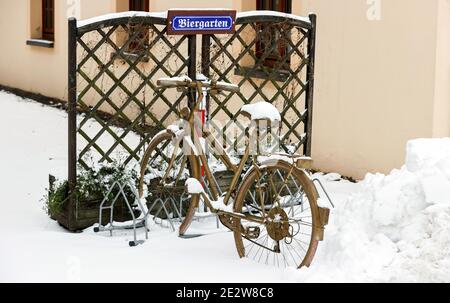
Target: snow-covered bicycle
{"x":271,"y":205}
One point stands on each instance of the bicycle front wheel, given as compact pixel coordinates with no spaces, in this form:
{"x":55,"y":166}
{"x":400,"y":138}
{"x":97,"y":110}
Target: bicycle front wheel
{"x":164,"y":170}
{"x":285,"y":199}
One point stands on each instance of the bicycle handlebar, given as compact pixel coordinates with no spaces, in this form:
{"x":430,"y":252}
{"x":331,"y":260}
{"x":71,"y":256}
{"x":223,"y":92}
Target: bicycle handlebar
{"x":187,"y":82}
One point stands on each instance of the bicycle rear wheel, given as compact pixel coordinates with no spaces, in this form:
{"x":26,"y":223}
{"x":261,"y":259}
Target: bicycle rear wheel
{"x":164,"y":170}
{"x":286,"y":199}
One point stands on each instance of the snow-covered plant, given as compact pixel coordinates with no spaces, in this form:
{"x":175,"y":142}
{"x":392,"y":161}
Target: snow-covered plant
{"x":55,"y":198}
{"x":92,"y":185}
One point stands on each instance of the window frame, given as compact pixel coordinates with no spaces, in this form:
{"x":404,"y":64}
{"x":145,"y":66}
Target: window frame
{"x":146,"y":6}
{"x":288,"y":9}
{"x":285,"y":6}
{"x":143,"y":35}
{"x":48,"y":33}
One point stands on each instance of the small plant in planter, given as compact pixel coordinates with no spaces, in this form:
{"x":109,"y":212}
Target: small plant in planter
{"x":92,"y":186}
{"x":56,"y":197}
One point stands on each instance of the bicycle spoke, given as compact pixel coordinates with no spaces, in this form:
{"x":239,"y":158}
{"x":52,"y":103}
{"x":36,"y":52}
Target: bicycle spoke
{"x":289,"y":251}
{"x":263,"y":250}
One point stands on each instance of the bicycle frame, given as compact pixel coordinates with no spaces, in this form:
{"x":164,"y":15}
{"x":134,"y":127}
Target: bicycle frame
{"x":220,"y":152}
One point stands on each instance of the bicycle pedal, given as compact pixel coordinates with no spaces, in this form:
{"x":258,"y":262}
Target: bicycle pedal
{"x":276,"y":248}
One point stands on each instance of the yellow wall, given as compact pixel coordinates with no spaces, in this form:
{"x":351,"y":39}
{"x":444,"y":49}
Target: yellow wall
{"x":161,"y":5}
{"x":375,"y":82}
{"x":441,"y":121}
{"x":378,"y":83}
{"x":32,"y":68}
{"x":92,"y":8}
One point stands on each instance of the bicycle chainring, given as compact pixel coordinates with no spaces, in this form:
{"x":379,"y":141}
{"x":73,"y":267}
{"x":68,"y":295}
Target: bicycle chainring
{"x":277,"y":224}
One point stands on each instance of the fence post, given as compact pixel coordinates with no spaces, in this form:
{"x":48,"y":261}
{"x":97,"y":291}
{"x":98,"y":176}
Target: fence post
{"x":192,"y":68}
{"x":310,"y":80}
{"x":206,"y":62}
{"x":72,"y":113}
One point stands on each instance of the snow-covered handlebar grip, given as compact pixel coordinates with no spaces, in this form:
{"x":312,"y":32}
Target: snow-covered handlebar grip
{"x":187,"y":82}
{"x":227,"y":87}
{"x":174,"y":82}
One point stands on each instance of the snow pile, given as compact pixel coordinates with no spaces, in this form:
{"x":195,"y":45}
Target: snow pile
{"x":396,"y":227}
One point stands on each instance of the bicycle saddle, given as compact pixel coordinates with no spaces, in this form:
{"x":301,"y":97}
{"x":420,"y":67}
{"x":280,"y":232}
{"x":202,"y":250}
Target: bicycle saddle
{"x":261,"y":111}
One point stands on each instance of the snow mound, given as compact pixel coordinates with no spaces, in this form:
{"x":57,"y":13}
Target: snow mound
{"x":396,"y":227}
{"x":422,"y":153}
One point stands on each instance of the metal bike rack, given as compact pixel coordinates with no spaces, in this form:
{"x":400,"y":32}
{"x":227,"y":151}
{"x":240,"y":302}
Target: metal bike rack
{"x":163,"y":207}
{"x":136,"y":222}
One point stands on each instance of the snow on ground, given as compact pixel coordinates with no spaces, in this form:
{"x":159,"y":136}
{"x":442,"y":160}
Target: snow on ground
{"x":385,"y":228}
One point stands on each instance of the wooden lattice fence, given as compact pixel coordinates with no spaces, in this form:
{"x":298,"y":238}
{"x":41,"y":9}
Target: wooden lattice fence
{"x":115,"y":61}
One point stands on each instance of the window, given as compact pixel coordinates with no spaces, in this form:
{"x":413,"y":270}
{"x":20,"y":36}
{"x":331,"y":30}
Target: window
{"x":271,"y":35}
{"x":48,"y":20}
{"x":284,"y":6}
{"x":42,"y":23}
{"x":139,"y":5}
{"x":138,"y":44}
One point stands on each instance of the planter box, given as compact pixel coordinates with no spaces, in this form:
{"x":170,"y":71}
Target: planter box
{"x":77,"y":218}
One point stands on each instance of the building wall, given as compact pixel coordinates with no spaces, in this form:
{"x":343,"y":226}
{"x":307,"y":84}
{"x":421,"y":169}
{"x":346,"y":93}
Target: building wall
{"x":441,"y":121}
{"x":375,"y":82}
{"x":38,"y":69}
{"x":32,"y":68}
{"x":378,"y":83}
{"x":161,"y":5}
{"x":88,"y":8}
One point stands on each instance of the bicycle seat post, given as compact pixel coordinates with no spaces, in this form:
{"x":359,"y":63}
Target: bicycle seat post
{"x":199,"y":88}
